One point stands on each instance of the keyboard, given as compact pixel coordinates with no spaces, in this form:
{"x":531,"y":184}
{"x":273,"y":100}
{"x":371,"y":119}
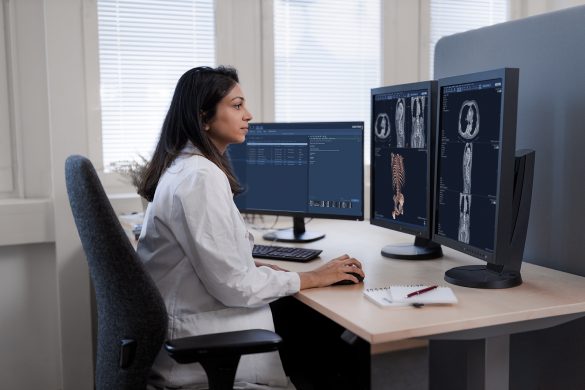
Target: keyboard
{"x":285,"y":253}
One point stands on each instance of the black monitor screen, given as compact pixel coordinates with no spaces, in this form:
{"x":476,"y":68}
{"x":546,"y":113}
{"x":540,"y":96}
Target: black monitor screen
{"x":301,"y":169}
{"x":468,"y":163}
{"x":482,"y":184}
{"x":400,"y":159}
{"x":402,"y":165}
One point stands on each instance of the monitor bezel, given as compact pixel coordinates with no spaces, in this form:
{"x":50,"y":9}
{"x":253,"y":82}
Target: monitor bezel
{"x":312,"y":214}
{"x":431,"y":87}
{"x":505,"y":184}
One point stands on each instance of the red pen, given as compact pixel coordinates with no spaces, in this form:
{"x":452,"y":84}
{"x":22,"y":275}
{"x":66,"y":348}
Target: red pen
{"x":422,"y":291}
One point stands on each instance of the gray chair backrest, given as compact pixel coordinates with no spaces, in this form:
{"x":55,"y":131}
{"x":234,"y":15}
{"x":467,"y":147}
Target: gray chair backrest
{"x":129,"y":306}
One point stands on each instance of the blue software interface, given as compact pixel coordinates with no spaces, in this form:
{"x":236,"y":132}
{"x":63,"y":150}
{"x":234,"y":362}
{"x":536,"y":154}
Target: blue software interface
{"x":309,"y":168}
{"x":468,"y":162}
{"x":400,"y":157}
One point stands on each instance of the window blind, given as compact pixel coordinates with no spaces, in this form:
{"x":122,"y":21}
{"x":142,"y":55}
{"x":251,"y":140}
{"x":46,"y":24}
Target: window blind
{"x":326,"y":60}
{"x":454,"y":16}
{"x":144,"y":47}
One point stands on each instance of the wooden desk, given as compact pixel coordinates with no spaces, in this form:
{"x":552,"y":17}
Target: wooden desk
{"x":485,"y":318}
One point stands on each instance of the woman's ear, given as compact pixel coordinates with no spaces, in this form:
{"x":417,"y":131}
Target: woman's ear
{"x":204,"y":121}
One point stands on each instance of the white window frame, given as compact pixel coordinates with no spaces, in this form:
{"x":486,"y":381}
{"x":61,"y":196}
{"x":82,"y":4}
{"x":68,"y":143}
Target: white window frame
{"x":92,"y":72}
{"x":112,"y":182}
{"x":7,"y":184}
{"x":402,"y":62}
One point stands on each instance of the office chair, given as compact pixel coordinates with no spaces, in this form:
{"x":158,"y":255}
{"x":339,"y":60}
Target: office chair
{"x":132,"y":318}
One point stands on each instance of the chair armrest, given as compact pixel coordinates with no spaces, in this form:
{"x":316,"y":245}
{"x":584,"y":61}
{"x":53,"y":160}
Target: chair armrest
{"x":192,"y":349}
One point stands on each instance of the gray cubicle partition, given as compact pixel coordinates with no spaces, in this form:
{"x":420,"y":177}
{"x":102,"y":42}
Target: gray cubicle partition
{"x":550,"y":51}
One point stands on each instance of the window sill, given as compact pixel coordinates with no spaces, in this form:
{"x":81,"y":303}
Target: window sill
{"x":126,"y":203}
{"x":30,"y":221}
{"x":26,"y":221}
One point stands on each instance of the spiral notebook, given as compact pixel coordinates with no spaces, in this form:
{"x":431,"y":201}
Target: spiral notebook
{"x":397,"y":295}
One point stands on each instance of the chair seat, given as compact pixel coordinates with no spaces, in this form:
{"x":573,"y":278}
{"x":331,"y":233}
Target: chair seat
{"x":193,"y":349}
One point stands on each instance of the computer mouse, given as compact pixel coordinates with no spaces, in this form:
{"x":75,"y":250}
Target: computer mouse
{"x":347,"y":281}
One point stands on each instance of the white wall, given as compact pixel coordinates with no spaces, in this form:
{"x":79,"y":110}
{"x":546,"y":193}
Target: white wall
{"x":50,"y":71}
{"x":28,"y":323}
{"x":48,"y":299}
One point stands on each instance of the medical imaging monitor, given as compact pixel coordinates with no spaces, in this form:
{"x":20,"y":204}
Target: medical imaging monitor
{"x":402,"y":155}
{"x":301,"y":170}
{"x":477,"y":199}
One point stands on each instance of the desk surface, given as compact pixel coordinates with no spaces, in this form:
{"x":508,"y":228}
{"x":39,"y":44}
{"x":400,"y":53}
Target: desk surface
{"x":545,"y":292}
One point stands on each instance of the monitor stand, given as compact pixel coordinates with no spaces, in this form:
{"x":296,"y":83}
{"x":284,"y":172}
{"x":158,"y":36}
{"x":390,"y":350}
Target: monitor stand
{"x":507,"y":274}
{"x":483,"y":276}
{"x":422,"y":249}
{"x":296,"y":234}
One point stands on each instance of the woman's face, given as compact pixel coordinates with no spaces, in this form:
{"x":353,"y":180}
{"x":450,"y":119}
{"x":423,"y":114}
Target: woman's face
{"x":230,"y":123}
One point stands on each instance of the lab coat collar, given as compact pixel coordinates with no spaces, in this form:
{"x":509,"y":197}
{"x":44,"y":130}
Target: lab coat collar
{"x":189,"y":149}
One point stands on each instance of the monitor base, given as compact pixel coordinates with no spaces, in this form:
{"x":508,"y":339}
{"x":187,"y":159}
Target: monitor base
{"x":480,"y":276}
{"x":296,"y":234}
{"x":290,"y":236}
{"x":422,"y":249}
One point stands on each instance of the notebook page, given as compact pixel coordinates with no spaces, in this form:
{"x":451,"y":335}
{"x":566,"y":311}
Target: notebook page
{"x":397,"y":296}
{"x":438,"y":295}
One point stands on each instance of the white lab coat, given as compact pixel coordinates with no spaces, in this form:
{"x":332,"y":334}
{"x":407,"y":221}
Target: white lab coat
{"x":196,"y":247}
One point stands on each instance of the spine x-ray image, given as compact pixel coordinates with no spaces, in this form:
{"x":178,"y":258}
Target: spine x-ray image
{"x":417,"y":138}
{"x":399,"y":120}
{"x":467,"y":159}
{"x":398,"y":181}
{"x":382,"y":127}
{"x":464,"y":217}
{"x":469,"y":113}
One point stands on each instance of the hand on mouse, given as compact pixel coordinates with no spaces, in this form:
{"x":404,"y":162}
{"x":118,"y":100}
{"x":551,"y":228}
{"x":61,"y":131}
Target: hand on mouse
{"x":349,"y":281}
{"x":340,"y":268}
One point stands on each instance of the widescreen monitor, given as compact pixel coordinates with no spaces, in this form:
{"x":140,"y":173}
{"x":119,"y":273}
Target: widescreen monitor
{"x":402,"y":155}
{"x":301,"y":170}
{"x":478,"y":196}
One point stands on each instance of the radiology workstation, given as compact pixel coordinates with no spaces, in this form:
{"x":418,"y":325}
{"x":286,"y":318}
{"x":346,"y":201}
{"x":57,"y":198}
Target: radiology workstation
{"x":481,"y":209}
{"x":456,"y":174}
{"x":453,"y":166}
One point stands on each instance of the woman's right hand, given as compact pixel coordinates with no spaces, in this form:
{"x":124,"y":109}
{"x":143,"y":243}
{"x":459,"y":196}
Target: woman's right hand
{"x":334,"y":271}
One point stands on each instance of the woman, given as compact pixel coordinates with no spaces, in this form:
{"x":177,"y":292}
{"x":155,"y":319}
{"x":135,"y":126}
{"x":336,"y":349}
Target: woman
{"x":194,"y":241}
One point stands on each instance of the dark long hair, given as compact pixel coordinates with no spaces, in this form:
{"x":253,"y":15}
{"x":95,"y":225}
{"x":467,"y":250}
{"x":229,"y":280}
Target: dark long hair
{"x":194,"y":103}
